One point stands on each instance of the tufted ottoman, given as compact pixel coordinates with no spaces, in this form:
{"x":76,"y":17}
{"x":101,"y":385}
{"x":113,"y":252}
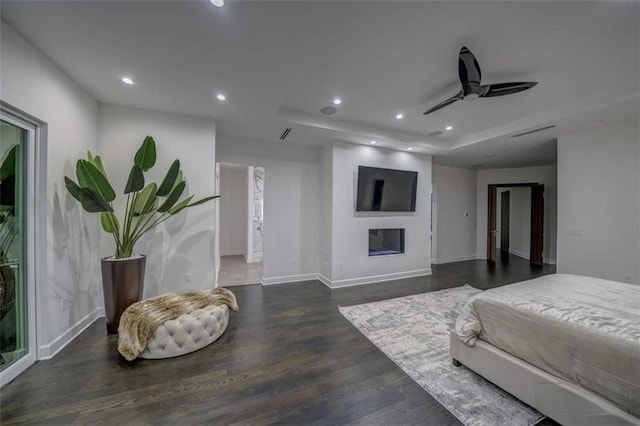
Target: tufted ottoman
{"x":187,"y":333}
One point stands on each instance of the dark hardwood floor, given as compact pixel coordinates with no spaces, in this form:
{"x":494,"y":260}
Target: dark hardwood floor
{"x":288,"y":357}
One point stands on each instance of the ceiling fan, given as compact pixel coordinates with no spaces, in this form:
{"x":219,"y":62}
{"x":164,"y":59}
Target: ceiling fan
{"x":470,"y":75}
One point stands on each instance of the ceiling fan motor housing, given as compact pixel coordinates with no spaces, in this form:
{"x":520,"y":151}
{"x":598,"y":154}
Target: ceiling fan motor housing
{"x":471,"y":91}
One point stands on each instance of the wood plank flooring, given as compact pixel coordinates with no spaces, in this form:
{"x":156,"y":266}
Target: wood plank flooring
{"x":288,"y":357}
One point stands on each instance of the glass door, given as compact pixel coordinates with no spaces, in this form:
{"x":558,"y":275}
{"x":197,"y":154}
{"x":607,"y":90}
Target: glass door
{"x":17,"y":296}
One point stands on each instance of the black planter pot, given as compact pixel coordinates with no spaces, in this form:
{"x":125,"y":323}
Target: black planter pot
{"x":123,"y":284}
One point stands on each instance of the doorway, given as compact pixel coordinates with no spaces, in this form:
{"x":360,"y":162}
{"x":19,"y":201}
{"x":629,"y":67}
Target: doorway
{"x":508,"y":194}
{"x":241,"y":221}
{"x":17,"y":245}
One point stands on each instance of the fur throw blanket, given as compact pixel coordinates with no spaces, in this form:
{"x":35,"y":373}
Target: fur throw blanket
{"x":140,"y":320}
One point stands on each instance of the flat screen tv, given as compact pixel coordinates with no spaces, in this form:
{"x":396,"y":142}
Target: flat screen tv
{"x":386,"y":190}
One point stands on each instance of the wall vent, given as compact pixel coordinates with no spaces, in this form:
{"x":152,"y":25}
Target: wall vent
{"x":517,"y":135}
{"x":285,"y":133}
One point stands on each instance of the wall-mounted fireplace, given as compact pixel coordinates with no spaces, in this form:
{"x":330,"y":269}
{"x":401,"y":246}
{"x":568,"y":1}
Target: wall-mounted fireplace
{"x":387,"y":241}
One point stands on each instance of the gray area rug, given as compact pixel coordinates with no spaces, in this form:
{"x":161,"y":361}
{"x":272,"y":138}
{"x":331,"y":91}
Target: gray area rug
{"x":413,"y":332}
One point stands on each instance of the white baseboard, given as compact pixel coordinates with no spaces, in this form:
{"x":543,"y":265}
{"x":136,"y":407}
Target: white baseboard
{"x":519,"y":254}
{"x":324,"y":280}
{"x":289,"y":279}
{"x":231,"y":253}
{"x":453,"y":259}
{"x":377,"y":278}
{"x":550,"y":261}
{"x":348,"y":282}
{"x":50,"y":350}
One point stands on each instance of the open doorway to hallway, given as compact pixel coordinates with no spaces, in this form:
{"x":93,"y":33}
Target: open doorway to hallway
{"x":241,"y":224}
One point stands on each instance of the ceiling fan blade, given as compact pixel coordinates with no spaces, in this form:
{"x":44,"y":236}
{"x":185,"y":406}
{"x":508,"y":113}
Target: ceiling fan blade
{"x":468,"y":67}
{"x":502,"y":89}
{"x":445,"y":103}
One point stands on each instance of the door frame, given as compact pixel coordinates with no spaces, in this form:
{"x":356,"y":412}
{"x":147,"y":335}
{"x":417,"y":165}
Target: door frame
{"x":537,"y":220}
{"x":35,"y":235}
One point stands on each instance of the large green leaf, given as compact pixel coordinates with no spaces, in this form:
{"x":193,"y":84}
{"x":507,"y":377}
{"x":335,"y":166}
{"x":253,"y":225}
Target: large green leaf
{"x":146,"y":156}
{"x":97,"y":161}
{"x":109,"y":222}
{"x":145,"y":199}
{"x":179,"y":179}
{"x":72,"y":187}
{"x":204,"y":200}
{"x":8,"y":167}
{"x":90,"y":177}
{"x":181,"y":205}
{"x":93,"y":202}
{"x":173,"y":197}
{"x":169,"y":180}
{"x":136,"y":180}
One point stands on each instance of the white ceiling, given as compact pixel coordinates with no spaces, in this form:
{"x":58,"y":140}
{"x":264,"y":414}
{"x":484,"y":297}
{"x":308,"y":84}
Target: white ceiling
{"x":278,"y":63}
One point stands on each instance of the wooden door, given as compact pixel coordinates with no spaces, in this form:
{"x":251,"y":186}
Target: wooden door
{"x":537,"y":224}
{"x":504,"y":221}
{"x":491,"y":223}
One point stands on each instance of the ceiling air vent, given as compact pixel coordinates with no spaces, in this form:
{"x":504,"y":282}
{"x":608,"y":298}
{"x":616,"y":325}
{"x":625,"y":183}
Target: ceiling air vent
{"x":517,"y":135}
{"x":285,"y":133}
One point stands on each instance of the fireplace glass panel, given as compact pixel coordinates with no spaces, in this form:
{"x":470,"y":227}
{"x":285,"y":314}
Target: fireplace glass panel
{"x":386,"y":241}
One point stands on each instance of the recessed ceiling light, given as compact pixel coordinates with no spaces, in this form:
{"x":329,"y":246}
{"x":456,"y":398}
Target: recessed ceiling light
{"x":373,"y":142}
{"x":337,"y":101}
{"x":409,"y":149}
{"x":399,"y":116}
{"x":127,"y":80}
{"x":490,"y":155}
{"x":449,"y":128}
{"x":221,"y":97}
{"x":217,"y":3}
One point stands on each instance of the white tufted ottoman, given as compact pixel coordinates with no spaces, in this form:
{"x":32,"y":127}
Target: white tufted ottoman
{"x":187,"y":333}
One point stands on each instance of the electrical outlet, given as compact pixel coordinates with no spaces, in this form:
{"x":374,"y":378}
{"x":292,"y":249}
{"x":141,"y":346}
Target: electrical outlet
{"x":294,"y":260}
{"x":187,"y":277}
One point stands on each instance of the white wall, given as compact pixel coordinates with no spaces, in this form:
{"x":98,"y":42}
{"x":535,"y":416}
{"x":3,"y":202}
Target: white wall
{"x":454,"y":218}
{"x":185,"y":243}
{"x":233,"y":210}
{"x":598,"y":203}
{"x":520,"y":222}
{"x":545,"y":175}
{"x":351,"y":263}
{"x":326,"y":212}
{"x":291,"y":204}
{"x":71,"y":296}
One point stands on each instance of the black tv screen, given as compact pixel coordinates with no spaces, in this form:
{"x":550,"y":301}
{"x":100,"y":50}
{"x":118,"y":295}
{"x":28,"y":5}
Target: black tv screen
{"x":386,"y":190}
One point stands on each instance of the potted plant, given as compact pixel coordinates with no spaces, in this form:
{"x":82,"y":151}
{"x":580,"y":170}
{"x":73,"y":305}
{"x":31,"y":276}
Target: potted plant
{"x":147,"y":206}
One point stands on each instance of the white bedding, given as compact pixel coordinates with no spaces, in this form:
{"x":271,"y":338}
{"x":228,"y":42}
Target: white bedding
{"x":585,"y":330}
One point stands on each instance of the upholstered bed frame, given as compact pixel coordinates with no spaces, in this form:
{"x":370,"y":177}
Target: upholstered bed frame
{"x":564,"y":402}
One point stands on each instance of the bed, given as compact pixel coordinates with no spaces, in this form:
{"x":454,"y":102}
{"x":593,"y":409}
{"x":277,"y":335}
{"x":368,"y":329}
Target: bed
{"x":567,"y":345}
